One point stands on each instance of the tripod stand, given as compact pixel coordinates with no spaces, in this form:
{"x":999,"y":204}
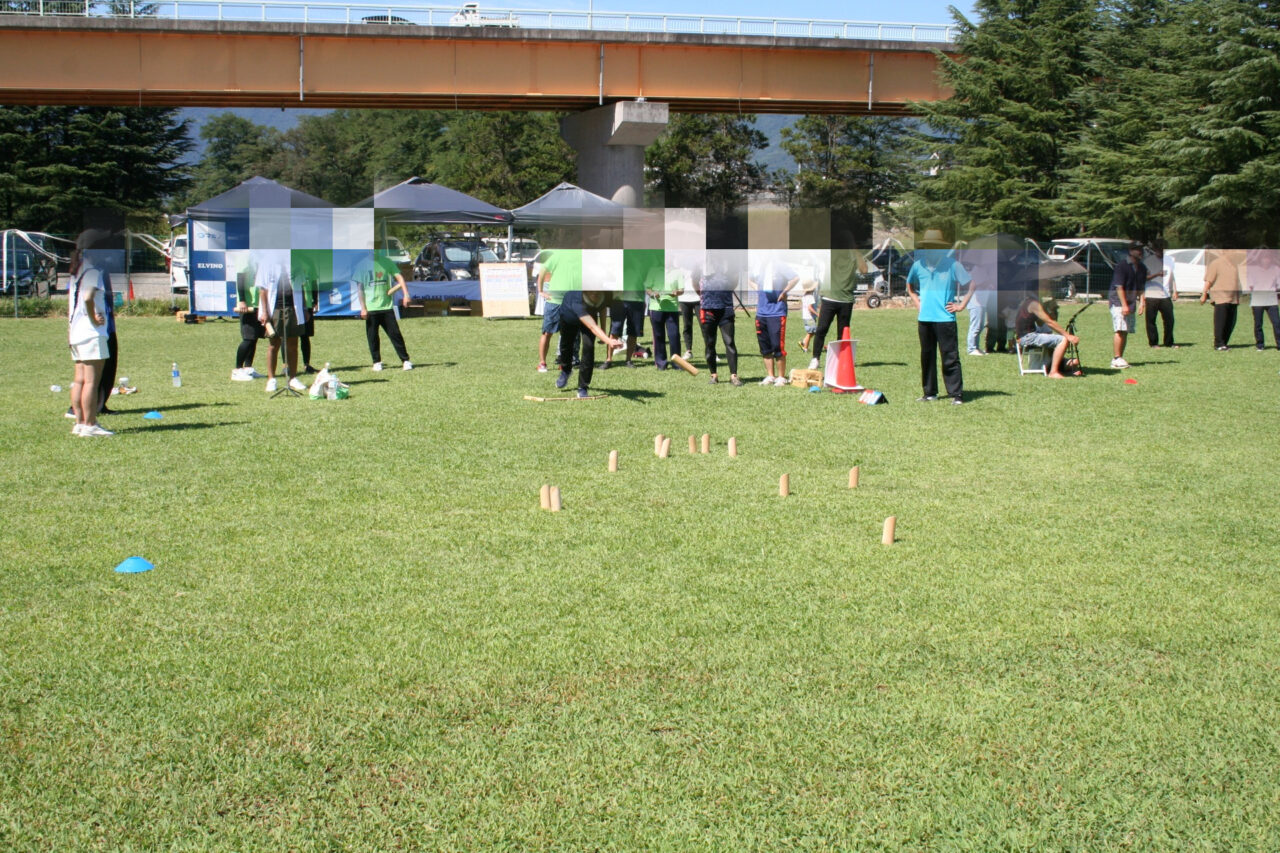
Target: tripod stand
{"x":1072,"y":356}
{"x":281,"y":308}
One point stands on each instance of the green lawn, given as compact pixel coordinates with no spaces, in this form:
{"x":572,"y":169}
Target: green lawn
{"x":363,"y":634}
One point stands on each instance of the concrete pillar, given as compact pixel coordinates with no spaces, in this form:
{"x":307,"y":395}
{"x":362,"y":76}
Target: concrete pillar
{"x":610,"y":141}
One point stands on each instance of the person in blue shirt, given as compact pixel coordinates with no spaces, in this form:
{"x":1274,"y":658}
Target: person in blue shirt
{"x":933,"y":284}
{"x":773,"y":280}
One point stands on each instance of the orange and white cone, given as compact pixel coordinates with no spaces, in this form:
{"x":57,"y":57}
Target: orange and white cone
{"x":840,"y":375}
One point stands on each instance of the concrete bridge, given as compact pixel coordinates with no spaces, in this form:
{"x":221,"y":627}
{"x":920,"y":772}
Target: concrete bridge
{"x":621,"y":85}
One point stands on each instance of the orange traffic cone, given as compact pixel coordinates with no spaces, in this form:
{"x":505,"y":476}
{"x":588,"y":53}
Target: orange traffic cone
{"x":841,"y":376}
{"x":130,"y":288}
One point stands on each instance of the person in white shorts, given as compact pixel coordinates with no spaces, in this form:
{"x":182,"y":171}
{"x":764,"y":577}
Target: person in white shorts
{"x":87,"y":336}
{"x":1127,"y":283}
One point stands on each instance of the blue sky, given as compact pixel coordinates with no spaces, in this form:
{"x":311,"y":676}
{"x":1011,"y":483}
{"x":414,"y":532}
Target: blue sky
{"x":905,"y":11}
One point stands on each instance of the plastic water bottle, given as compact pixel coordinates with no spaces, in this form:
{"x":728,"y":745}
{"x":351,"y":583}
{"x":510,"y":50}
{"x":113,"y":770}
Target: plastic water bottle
{"x":177,"y":377}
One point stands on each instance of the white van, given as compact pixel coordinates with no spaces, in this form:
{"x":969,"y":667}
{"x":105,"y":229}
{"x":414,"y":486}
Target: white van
{"x":179,"y":265}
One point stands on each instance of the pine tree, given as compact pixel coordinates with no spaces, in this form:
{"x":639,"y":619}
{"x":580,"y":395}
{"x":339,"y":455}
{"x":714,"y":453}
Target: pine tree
{"x":1222,"y":156}
{"x":1003,"y":135}
{"x":65,"y":160}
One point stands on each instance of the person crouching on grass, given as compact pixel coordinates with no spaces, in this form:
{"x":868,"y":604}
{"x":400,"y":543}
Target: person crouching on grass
{"x":578,"y":312}
{"x":87,"y":336}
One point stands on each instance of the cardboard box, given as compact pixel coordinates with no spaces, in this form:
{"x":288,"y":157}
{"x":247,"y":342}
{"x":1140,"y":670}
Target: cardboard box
{"x":801,"y":378}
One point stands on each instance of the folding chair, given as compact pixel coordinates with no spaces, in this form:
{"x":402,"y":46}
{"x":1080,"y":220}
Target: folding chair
{"x":1035,"y":360}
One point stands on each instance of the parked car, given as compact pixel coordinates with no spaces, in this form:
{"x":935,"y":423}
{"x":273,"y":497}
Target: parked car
{"x":448,"y":258}
{"x":1098,"y":255}
{"x":179,"y":269}
{"x":471,"y":16}
{"x":396,"y":252}
{"x":1188,"y":270}
{"x":19,"y":272}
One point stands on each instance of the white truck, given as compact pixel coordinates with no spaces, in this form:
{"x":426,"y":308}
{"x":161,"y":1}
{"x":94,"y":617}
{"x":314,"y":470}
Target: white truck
{"x":471,"y":16}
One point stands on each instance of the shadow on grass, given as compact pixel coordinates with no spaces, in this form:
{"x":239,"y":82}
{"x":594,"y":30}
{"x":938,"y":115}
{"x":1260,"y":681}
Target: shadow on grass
{"x":970,"y":396}
{"x":174,"y":427}
{"x":362,"y":381}
{"x":178,"y":408}
{"x":417,"y":365}
{"x":882,"y":364}
{"x":637,"y":395}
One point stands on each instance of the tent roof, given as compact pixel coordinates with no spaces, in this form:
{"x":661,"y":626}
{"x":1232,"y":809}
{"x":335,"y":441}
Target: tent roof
{"x":570,"y":205}
{"x":257,"y":192}
{"x":418,"y":200}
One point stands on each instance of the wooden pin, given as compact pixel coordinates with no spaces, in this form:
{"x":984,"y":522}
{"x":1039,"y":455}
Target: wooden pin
{"x":544,"y":497}
{"x":657,"y":445}
{"x":693,"y":444}
{"x":613,"y":461}
{"x":706,"y":443}
{"x":733,"y":447}
{"x":853,"y":477}
{"x":890,"y":525}
{"x":784,"y":485}
{"x":665,"y":450}
{"x":555,"y":498}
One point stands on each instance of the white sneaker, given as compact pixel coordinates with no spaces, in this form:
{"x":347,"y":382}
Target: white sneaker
{"x":296,"y":384}
{"x":76,"y":430}
{"x":241,"y":374}
{"x":377,"y":365}
{"x":69,"y":414}
{"x":271,"y":385}
{"x":781,"y":381}
{"x":813,"y":364}
{"x":688,"y":354}
{"x":976,"y":352}
{"x":408,"y":365}
{"x":1119,"y":363}
{"x":768,"y":380}
{"x":87,"y":430}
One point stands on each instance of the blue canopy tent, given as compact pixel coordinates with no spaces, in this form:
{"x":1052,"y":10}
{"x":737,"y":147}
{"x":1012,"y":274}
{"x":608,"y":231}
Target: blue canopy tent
{"x":417,"y":200}
{"x":259,"y":215}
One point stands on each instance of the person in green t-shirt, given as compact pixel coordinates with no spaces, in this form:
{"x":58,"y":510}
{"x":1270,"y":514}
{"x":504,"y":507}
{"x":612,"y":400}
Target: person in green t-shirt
{"x":561,"y":274}
{"x":664,"y":287}
{"x":628,"y":306}
{"x":303,"y":271}
{"x":251,"y":329}
{"x":377,"y":307}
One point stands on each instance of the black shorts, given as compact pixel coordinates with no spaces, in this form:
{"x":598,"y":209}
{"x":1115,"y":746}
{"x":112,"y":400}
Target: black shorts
{"x":251,"y":328}
{"x":285,"y":320}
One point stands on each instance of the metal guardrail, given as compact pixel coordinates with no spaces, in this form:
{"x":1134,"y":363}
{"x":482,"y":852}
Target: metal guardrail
{"x":300,"y":11}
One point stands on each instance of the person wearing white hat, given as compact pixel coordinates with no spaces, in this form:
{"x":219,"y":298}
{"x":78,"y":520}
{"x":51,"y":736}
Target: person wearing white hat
{"x":933,"y":284}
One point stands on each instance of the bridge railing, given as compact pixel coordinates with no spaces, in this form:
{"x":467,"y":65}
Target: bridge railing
{"x":301,"y":11}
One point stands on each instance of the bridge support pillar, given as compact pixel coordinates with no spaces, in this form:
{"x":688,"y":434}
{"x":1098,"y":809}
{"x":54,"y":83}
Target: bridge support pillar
{"x":610,"y":141}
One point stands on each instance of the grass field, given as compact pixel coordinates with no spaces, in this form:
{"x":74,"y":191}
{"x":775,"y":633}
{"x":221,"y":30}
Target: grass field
{"x":363,"y":634}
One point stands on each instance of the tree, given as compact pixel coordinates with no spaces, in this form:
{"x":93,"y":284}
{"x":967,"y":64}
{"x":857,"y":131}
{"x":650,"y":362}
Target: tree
{"x":706,"y":161}
{"x":1221,"y":155}
{"x":1135,"y":96}
{"x":1004,"y":133}
{"x":65,"y":160}
{"x":505,"y":158}
{"x":853,"y":166}
{"x":236,"y":149}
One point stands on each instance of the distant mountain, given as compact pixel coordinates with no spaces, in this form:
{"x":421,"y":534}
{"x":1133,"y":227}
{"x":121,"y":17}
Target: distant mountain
{"x":774,"y":157}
